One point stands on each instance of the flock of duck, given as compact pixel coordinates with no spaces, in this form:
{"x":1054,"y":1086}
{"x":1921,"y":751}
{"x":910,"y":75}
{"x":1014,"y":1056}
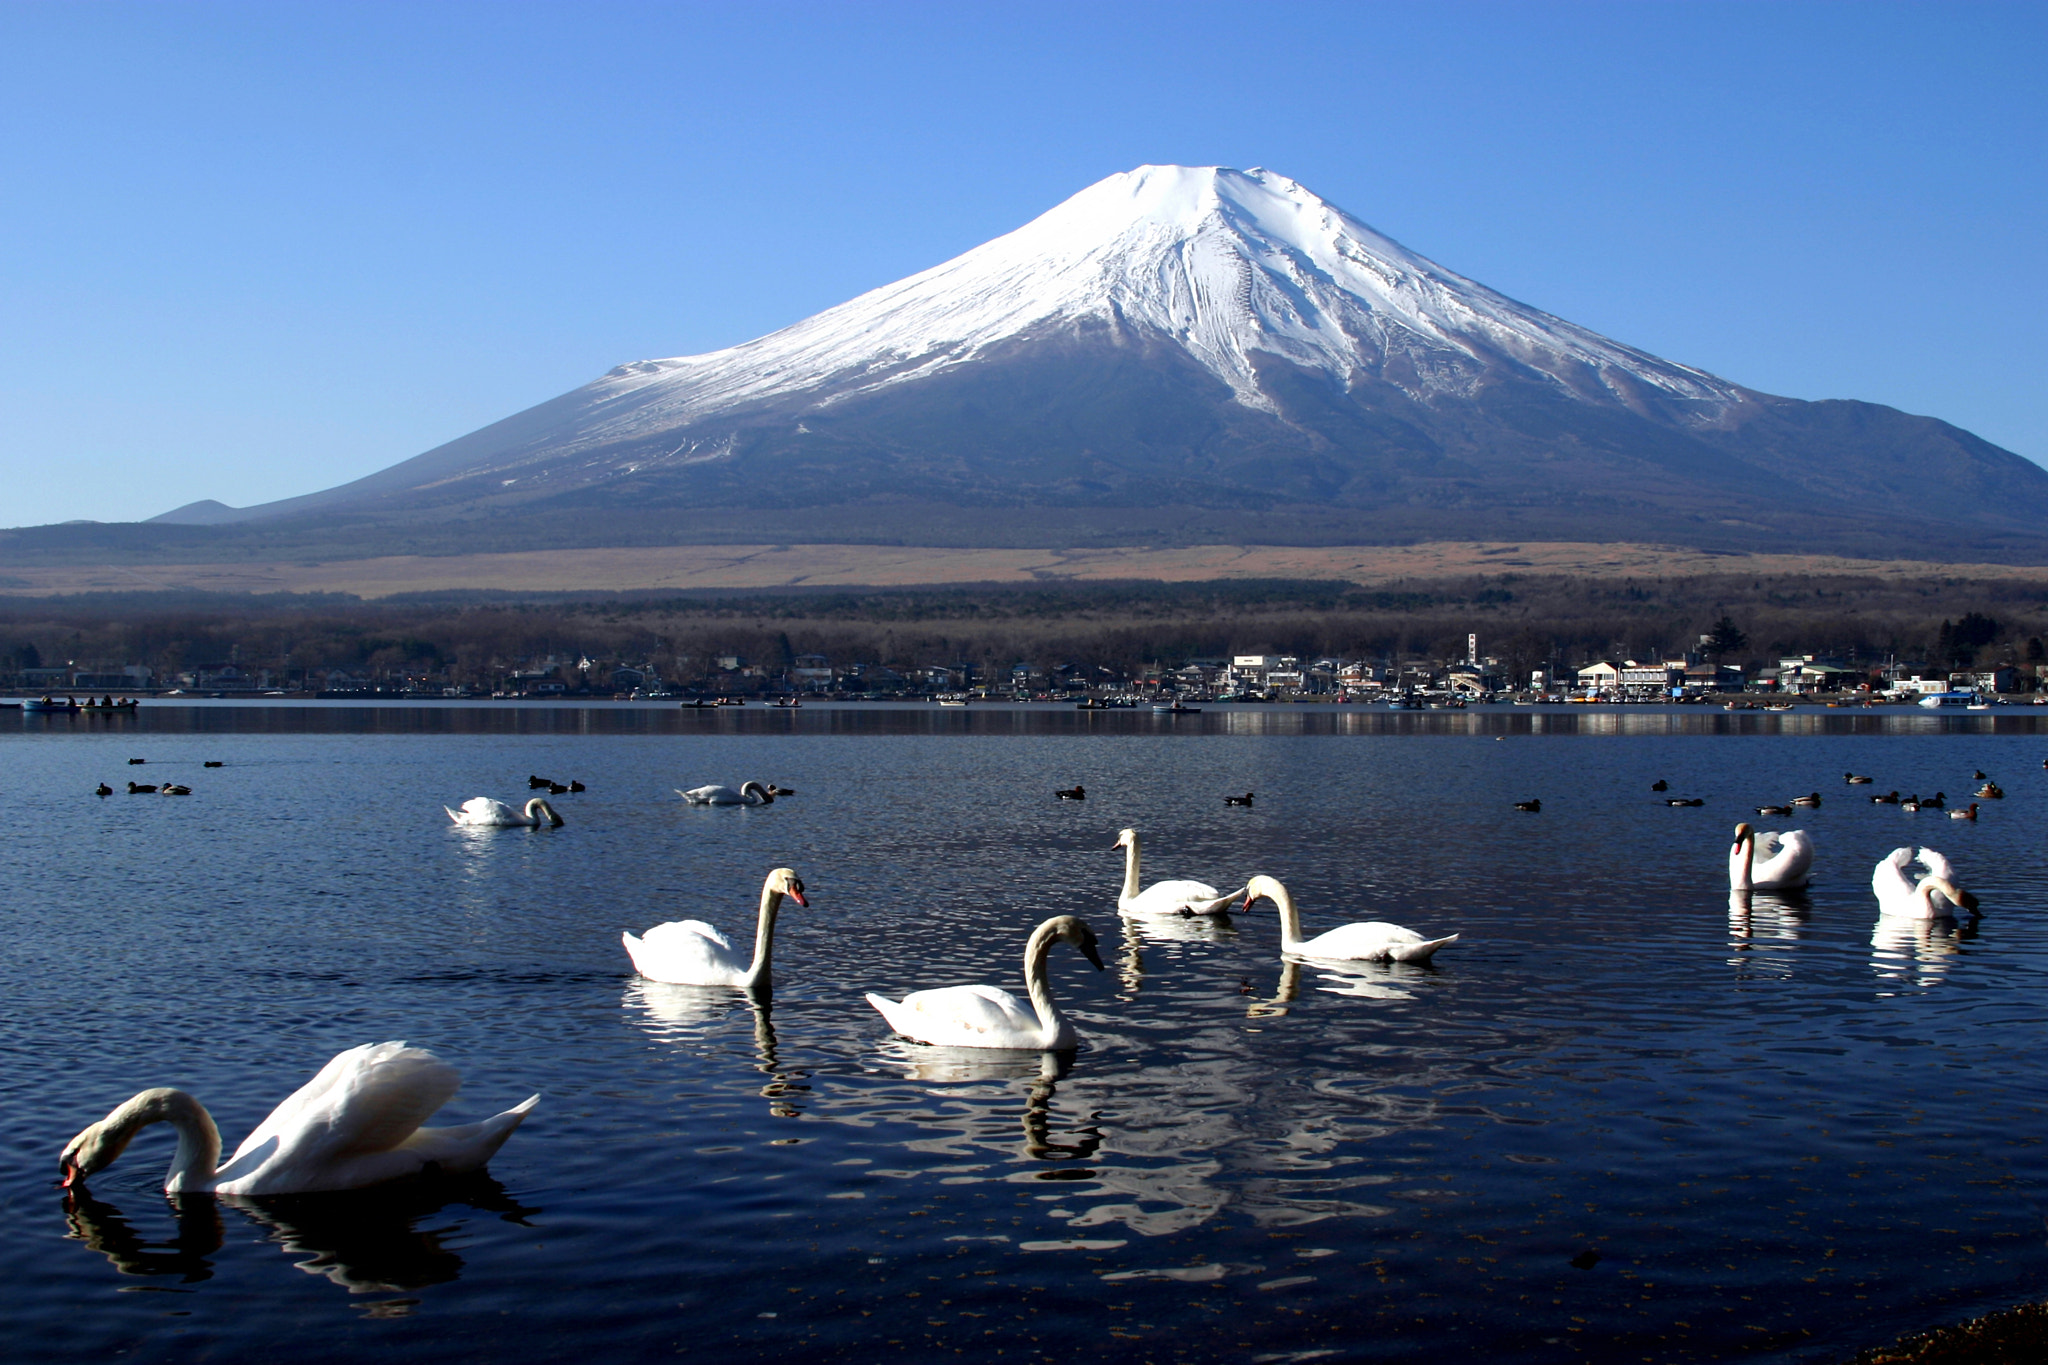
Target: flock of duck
{"x":360,"y":1120}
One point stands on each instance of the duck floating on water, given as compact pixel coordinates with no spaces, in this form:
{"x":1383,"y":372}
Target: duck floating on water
{"x":1077,"y":792}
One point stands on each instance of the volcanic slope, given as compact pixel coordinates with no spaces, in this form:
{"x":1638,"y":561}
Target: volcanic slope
{"x":1194,"y":354}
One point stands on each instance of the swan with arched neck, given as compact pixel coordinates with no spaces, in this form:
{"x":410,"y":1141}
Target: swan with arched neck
{"x":1934,"y":896}
{"x":356,"y":1123}
{"x":1371,"y":941}
{"x":1769,"y":861}
{"x":989,"y":1016}
{"x":689,"y":952}
{"x":482,"y":812}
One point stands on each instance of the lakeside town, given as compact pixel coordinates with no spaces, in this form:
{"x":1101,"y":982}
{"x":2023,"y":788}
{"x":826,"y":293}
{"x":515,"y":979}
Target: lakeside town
{"x":1696,"y":677}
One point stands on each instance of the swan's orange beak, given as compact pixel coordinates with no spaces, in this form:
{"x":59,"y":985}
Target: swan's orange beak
{"x":797,"y":895}
{"x":71,"y":1176}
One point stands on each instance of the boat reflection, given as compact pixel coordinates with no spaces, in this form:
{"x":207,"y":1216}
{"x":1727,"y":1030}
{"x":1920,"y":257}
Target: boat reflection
{"x":365,"y":1241}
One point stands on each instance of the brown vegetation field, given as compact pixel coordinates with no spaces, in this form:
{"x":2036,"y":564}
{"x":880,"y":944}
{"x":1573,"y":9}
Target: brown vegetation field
{"x":691,"y":568}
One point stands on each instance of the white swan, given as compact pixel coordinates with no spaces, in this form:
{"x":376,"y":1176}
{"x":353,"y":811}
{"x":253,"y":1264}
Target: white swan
{"x":1173,"y":898}
{"x":988,"y":1016}
{"x":483,"y":812}
{"x":1934,"y":896}
{"x":1373,"y":941}
{"x":1784,"y":866}
{"x":356,"y":1123}
{"x":689,"y":952}
{"x":748,"y":794}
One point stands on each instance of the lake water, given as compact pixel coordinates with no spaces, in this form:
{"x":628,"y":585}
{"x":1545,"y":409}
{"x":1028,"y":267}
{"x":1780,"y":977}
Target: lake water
{"x":1786,"y":1136}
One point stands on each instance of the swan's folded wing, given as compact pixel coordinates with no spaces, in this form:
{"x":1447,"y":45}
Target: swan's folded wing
{"x":1371,"y":939}
{"x":486,"y":810}
{"x":970,"y":1011}
{"x":1170,"y":897}
{"x":368,"y":1099}
{"x":680,"y":932}
{"x":1937,"y":865}
{"x":1791,"y":854}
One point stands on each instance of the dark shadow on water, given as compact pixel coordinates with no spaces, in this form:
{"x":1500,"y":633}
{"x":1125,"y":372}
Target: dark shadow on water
{"x":365,"y":1241}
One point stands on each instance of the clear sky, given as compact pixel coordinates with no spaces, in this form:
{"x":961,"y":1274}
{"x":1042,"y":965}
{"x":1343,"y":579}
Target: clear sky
{"x":253,"y":250}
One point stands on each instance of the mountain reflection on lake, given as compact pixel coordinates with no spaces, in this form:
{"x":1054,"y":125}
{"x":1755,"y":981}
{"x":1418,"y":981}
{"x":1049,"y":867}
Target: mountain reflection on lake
{"x":1783,"y":1126}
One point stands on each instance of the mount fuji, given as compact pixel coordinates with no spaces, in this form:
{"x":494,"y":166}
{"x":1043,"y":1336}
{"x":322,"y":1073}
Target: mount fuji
{"x":1194,"y":354}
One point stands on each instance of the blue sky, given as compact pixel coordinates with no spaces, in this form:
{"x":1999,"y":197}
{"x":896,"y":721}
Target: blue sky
{"x":252,"y":250}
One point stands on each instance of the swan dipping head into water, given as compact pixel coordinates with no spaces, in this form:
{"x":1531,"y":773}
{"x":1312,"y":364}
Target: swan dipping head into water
{"x":485,"y":813}
{"x":357,"y":1123}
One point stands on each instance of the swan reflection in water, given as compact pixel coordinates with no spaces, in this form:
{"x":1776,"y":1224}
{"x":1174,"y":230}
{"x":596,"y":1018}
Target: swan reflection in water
{"x":366,"y":1241}
{"x":674,"y":1014}
{"x":1917,"y":952}
{"x":1765,"y":919}
{"x":1043,"y":1070}
{"x":1130,"y":963}
{"x":1366,"y":980}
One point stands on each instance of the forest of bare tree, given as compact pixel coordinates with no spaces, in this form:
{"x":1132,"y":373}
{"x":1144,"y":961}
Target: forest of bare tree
{"x":1524,"y":621}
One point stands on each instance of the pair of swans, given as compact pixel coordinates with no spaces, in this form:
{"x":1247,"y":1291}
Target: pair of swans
{"x":693,"y":953}
{"x":1769,"y":861}
{"x":482,"y":812}
{"x":1372,"y":941}
{"x":1934,"y":896}
{"x":356,"y":1123}
{"x":746,"y":794}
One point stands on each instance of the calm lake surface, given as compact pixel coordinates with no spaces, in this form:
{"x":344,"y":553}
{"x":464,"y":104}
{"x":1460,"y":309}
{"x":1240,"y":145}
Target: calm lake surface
{"x":1788,"y":1133}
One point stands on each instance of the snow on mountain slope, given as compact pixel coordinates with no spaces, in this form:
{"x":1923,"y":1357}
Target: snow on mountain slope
{"x":1225,"y":262}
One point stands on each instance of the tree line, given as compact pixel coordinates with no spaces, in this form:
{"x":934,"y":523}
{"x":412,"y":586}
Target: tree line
{"x":1126,"y":629}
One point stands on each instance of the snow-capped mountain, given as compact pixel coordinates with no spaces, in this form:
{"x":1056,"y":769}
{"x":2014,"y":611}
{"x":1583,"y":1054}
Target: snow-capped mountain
{"x":1194,"y":338}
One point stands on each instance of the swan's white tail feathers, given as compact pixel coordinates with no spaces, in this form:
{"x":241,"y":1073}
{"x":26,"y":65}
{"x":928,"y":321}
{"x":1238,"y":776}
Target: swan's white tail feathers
{"x":1419,"y":952}
{"x":470,"y":1146}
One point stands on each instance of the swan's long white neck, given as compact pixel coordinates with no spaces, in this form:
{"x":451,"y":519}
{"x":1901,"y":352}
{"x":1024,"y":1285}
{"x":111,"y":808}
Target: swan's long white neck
{"x":1745,"y":850}
{"x":195,"y":1164}
{"x":1036,"y":949}
{"x":1131,"y":887}
{"x":1290,"y":918}
{"x":764,"y":937}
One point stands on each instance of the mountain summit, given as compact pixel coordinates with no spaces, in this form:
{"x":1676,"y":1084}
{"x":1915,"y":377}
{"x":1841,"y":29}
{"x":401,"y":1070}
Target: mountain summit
{"x":1207,"y":354}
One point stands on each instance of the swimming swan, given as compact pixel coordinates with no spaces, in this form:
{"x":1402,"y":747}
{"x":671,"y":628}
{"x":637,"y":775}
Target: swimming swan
{"x":1164,"y":898}
{"x":1786,"y":859}
{"x":689,"y":952}
{"x":749,"y":794}
{"x":988,"y":1016}
{"x":1934,"y":896}
{"x":1373,"y":941}
{"x":356,"y":1123}
{"x":483,"y":812}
